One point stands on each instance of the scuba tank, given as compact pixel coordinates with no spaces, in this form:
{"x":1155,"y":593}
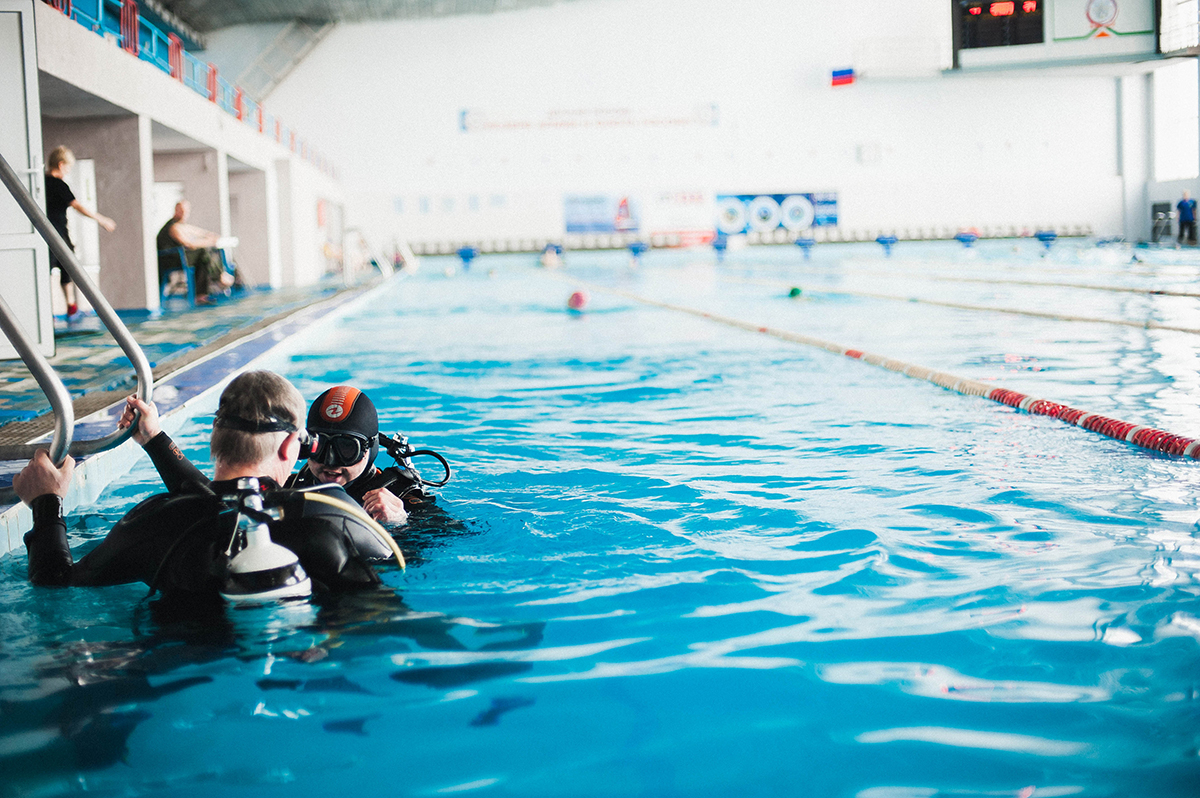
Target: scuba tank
{"x":260,"y":569}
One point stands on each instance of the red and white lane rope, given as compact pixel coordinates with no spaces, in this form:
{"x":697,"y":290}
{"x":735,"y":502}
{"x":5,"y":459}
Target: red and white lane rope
{"x":1137,"y":434}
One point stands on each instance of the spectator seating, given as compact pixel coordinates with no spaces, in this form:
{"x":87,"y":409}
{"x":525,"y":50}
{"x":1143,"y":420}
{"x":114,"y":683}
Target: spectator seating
{"x":175,"y":259}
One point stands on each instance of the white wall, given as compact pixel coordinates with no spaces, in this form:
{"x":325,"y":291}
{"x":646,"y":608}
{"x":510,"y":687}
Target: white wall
{"x":384,"y":101}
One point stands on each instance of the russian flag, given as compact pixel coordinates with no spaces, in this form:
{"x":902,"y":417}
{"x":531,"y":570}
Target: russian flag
{"x":842,"y":77}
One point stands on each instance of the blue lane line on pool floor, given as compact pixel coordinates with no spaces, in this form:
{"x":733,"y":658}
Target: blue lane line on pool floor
{"x":1141,"y":325}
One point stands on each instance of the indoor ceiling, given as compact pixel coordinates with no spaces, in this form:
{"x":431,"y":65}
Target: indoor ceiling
{"x":210,"y":15}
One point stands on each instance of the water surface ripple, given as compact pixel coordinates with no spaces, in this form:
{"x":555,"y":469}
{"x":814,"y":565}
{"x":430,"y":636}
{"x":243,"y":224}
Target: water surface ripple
{"x":688,"y":559}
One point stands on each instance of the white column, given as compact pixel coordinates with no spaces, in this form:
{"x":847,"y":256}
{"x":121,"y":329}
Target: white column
{"x":287,"y":237}
{"x":223,"y":192}
{"x":1135,"y":125}
{"x":148,"y":223}
{"x":274,"y":253}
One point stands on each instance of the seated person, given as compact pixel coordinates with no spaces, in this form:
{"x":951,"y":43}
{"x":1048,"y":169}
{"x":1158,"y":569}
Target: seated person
{"x":181,"y":540}
{"x":347,"y":428}
{"x":210,"y":274}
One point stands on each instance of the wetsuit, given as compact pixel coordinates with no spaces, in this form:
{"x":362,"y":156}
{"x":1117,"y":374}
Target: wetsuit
{"x":179,"y":541}
{"x":176,"y":471}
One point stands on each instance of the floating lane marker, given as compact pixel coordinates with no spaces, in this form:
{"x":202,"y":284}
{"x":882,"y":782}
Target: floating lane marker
{"x":1139,"y":435}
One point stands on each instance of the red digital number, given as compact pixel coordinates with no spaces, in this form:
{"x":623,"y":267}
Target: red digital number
{"x":975,"y":11}
{"x":1029,"y":6}
{"x":1006,"y":9}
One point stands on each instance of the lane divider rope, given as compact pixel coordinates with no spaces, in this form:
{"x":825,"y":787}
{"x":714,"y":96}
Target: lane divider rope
{"x":1141,"y":325}
{"x":1139,"y":435}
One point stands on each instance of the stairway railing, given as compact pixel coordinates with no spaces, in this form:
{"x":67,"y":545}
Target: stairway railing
{"x":62,"y":442}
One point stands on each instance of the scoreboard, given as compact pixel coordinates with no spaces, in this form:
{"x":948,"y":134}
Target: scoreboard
{"x":1018,"y":33}
{"x":998,"y":23}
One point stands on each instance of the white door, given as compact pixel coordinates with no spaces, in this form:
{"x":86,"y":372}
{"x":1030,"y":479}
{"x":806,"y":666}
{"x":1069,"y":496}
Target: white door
{"x":24,"y":257}
{"x":85,"y":232}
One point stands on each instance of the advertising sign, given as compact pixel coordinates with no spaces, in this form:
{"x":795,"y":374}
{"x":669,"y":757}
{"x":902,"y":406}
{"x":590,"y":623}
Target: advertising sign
{"x":601,"y":213}
{"x":763,"y":213}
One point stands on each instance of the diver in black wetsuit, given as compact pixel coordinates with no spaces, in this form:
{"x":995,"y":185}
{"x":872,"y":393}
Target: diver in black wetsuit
{"x":345,"y":425}
{"x":183,"y":540}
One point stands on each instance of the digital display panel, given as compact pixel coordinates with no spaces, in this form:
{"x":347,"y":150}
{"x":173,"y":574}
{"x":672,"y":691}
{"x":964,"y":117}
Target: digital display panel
{"x":998,"y":23}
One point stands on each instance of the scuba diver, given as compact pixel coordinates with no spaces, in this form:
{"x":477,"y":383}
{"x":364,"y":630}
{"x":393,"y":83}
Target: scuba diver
{"x":345,"y":425}
{"x":240,"y":535}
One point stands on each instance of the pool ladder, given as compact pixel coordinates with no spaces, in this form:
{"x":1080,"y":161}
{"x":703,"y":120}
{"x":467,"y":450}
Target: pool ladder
{"x":62,"y":443}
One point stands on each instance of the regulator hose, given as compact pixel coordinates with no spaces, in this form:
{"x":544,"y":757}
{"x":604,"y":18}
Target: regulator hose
{"x":440,"y":459}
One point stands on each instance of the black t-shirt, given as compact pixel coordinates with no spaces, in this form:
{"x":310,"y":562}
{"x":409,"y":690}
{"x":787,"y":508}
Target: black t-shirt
{"x":164,"y":240}
{"x":58,"y":198}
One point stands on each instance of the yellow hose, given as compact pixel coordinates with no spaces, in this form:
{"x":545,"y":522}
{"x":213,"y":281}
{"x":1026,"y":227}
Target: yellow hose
{"x":358,"y":513}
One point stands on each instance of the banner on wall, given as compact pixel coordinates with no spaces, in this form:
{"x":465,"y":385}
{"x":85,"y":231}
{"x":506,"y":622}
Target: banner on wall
{"x":601,"y":213}
{"x":679,"y":218}
{"x":763,"y":213}
{"x":681,"y":116}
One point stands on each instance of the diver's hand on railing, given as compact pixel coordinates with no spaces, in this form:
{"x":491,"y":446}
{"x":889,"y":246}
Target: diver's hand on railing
{"x":41,"y":477}
{"x":147,"y":416}
{"x":385,"y":506}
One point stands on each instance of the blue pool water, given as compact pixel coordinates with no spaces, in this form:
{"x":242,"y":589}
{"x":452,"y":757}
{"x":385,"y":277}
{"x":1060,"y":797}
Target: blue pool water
{"x":690,"y":560}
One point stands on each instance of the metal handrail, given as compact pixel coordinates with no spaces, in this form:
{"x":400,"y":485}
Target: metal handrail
{"x":47,"y":380}
{"x":114,"y":325}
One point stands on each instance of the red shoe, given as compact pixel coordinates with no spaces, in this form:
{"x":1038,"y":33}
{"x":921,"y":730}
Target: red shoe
{"x":72,"y":310}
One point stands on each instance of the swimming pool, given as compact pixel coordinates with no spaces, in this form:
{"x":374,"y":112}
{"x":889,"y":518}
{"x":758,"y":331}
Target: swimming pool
{"x":694,"y":560}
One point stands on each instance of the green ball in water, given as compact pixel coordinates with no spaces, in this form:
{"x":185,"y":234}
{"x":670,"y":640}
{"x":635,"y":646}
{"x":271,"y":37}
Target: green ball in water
{"x":795,"y":292}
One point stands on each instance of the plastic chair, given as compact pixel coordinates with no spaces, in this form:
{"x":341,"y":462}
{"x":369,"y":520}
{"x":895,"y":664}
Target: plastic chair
{"x":227,"y":264}
{"x":179,"y":254}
